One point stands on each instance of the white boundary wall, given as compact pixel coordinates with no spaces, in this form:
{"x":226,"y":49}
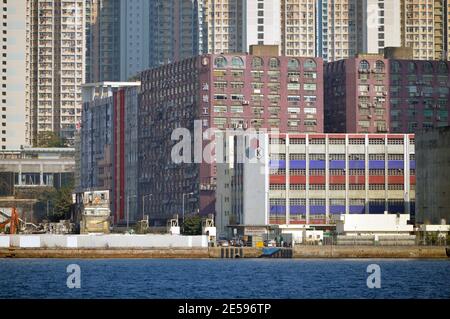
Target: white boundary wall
{"x":103,"y":241}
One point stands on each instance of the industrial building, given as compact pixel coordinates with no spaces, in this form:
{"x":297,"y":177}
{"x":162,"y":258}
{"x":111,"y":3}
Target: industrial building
{"x":371,"y":94}
{"x":108,"y":143}
{"x":313,"y":179}
{"x":433,"y":176}
{"x":261,"y":90}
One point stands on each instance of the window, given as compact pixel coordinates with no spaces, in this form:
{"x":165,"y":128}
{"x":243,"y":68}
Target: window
{"x":297,"y":187}
{"x":297,"y":156}
{"x":237,"y":62}
{"x":357,"y":141}
{"x":356,"y":157}
{"x":297,"y":172}
{"x":220,"y":62}
{"x":293,"y":64}
{"x":364,"y":65}
{"x":442,"y":68}
{"x":317,"y":141}
{"x":337,"y":157}
{"x":274,"y":63}
{"x":376,"y":187}
{"x":277,"y":186}
{"x":412,"y":67}
{"x":297,"y":141}
{"x":379,"y":66}
{"x":317,"y":187}
{"x":428,"y":67}
{"x":395,"y":67}
{"x":337,"y":141}
{"x":395,"y":141}
{"x":376,"y":157}
{"x":337,"y":187}
{"x":257,"y":62}
{"x":356,"y":187}
{"x":309,"y":64}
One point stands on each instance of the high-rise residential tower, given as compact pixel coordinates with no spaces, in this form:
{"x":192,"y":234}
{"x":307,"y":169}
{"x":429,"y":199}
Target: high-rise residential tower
{"x":103,"y":40}
{"x":57,"y":69}
{"x":348,"y":27}
{"x":298,"y":27}
{"x":134,"y":38}
{"x":14,"y":67}
{"x":425,"y":28}
{"x":224,"y":22}
{"x":176,"y":30}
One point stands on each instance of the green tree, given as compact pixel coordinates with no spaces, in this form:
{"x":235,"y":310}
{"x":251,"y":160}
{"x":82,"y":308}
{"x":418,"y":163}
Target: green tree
{"x":59,"y":203}
{"x":50,"y":139}
{"x":192,"y":225}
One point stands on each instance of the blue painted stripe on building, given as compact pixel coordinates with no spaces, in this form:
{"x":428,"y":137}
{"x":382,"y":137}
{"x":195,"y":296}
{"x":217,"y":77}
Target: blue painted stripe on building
{"x":357,"y":164}
{"x":396,"y":164}
{"x":338,"y":209}
{"x":412,"y":164}
{"x":337,"y":164}
{"x":357,"y":209}
{"x":396,"y":208}
{"x":278,"y":210}
{"x":376,"y":209}
{"x":274,"y":164}
{"x":297,"y":210}
{"x":317,"y":209}
{"x":376,"y":164}
{"x":317,"y":164}
{"x":298,"y":164}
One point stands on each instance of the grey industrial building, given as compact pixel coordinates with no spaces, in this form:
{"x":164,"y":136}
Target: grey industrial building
{"x":433,"y":176}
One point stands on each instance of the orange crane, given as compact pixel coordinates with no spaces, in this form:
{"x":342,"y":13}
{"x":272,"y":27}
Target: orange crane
{"x":13,"y":221}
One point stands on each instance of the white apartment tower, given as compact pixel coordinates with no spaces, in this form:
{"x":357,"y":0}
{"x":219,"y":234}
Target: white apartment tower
{"x":14,"y":72}
{"x":57,"y":69}
{"x":262,"y":23}
{"x":380,"y":25}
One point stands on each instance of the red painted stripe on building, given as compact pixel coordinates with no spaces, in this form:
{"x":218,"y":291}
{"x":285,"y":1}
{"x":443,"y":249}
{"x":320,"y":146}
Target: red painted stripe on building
{"x":376,"y":180}
{"x":396,"y":179}
{"x":337,"y":179}
{"x":298,"y":180}
{"x":356,"y":136}
{"x":317,"y":179}
{"x":412,"y":180}
{"x":114,"y":191}
{"x":122,"y":153}
{"x":277,"y":179}
{"x":357,"y":179}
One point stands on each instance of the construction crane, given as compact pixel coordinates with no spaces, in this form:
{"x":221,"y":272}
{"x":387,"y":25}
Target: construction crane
{"x":13,"y":222}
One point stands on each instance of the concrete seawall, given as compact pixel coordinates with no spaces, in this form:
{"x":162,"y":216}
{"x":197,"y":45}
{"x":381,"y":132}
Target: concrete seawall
{"x":369,"y":252}
{"x":300,"y":252}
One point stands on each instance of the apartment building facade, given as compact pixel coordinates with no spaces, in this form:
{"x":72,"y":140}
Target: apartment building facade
{"x":369,"y":94}
{"x":419,"y":95}
{"x":312,"y":179}
{"x":57,"y":66}
{"x":425,"y":28}
{"x":14,"y":60}
{"x":356,"y":95}
{"x":228,"y":91}
{"x":103,"y":40}
{"x":176,"y":30}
